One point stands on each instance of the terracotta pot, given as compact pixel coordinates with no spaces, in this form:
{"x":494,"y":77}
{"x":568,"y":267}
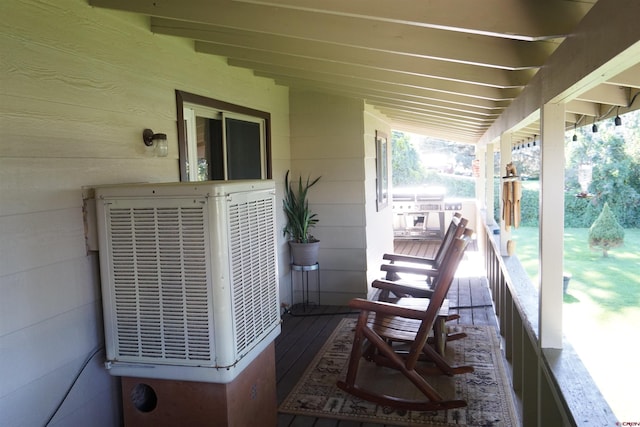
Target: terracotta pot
{"x":304,"y":253}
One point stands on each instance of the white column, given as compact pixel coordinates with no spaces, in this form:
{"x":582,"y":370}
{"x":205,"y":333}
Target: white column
{"x":551,"y":224}
{"x":481,"y":181}
{"x":489,"y":192}
{"x":505,"y":158}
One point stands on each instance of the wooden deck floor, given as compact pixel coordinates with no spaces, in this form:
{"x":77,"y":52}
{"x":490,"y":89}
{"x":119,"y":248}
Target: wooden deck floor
{"x":303,"y":336}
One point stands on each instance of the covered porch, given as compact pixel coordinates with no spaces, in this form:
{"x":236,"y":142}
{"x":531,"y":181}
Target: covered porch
{"x":551,"y":387}
{"x":82,"y":79}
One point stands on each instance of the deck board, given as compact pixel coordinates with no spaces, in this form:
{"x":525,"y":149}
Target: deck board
{"x":303,"y":335}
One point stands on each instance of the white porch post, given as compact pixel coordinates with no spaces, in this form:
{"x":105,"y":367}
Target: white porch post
{"x":481,"y":183}
{"x":488,"y":185}
{"x":551,"y":225}
{"x":505,"y":158}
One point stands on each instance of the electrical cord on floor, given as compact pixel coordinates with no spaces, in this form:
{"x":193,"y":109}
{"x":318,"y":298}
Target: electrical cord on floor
{"x":323,"y":314}
{"x":289,"y":312}
{"x":84,"y":365}
{"x":335,"y":313}
{"x":461,"y":307}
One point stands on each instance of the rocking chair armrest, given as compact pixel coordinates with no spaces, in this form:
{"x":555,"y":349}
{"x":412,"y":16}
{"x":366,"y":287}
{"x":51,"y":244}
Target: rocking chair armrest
{"x":394,"y":268}
{"x":408,"y":258}
{"x":390,"y":309}
{"x":403,"y":289}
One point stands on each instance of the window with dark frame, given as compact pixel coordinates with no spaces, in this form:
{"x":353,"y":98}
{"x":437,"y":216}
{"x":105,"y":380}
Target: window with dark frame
{"x":218,"y":140}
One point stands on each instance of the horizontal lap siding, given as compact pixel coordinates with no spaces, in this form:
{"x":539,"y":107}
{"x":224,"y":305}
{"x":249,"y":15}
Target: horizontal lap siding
{"x":326,"y":135}
{"x":333,"y":137}
{"x":379,"y":220}
{"x":77,"y":86}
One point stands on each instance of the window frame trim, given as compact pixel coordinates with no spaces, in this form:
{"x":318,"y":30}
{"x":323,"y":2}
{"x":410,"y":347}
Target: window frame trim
{"x":183,"y":97}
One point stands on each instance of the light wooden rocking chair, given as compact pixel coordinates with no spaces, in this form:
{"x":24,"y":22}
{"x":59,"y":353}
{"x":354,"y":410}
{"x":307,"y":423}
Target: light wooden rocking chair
{"x":427,"y":267}
{"x":394,"y":284}
{"x":417,"y":295}
{"x":381,"y":324}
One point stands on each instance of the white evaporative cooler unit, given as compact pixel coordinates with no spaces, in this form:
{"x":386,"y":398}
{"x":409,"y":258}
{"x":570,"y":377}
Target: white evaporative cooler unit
{"x":189,"y":277}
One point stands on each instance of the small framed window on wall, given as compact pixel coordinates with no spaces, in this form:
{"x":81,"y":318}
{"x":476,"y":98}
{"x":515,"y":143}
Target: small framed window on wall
{"x":382,"y":170}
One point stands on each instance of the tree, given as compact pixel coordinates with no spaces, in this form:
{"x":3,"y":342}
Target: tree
{"x":527,"y":160}
{"x":605,"y":232}
{"x":614,"y":154}
{"x":406,"y":166}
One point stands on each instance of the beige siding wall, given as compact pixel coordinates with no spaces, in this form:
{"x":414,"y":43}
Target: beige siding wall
{"x":326,"y":135}
{"x":379,"y":223}
{"x":79,"y":85}
{"x":333,"y":137}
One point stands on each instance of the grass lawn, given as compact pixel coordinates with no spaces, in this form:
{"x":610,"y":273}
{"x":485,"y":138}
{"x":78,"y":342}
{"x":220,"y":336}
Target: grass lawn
{"x":601,"y":314}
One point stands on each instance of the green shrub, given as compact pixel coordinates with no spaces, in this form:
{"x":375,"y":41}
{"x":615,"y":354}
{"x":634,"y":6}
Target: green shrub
{"x":529,"y":208}
{"x":456,"y":186}
{"x":578,"y":212}
{"x":529,"y":202}
{"x":606,"y":233}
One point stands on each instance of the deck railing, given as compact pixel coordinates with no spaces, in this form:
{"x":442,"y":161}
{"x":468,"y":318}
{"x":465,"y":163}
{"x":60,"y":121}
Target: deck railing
{"x":553,"y":386}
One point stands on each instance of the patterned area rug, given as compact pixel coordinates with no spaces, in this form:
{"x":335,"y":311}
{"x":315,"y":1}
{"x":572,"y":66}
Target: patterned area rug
{"x":486,"y":390}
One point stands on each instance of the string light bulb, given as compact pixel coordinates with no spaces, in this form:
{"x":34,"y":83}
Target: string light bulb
{"x":618,"y":120}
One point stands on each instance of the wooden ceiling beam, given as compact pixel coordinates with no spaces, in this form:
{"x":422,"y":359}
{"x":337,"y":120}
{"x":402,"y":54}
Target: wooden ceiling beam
{"x":448,"y":132}
{"x":251,"y":58}
{"x":446,"y":115}
{"x":465,"y":73}
{"x":364,"y":91}
{"x":525,"y":20}
{"x":628,"y":78}
{"x":349,"y":31}
{"x":606,"y":94}
{"x":406,"y":125}
{"x":375,"y":79}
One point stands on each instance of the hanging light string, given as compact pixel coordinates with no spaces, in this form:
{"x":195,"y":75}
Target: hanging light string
{"x":575,"y":127}
{"x":525,"y":143}
{"x":633,"y":99}
{"x":618,"y":120}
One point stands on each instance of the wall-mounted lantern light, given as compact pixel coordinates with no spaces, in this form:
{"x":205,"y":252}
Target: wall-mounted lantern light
{"x":156,"y":140}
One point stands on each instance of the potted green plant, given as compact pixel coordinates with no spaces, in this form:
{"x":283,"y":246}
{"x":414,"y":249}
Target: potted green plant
{"x":304,"y":247}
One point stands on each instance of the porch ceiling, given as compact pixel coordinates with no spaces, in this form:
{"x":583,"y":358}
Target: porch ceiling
{"x":443,"y":68}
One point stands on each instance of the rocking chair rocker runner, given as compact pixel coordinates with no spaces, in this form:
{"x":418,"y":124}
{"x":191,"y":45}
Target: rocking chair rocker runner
{"x":380,"y":324}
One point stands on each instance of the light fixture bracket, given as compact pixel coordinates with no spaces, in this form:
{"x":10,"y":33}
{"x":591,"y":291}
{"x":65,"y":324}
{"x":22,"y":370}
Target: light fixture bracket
{"x":147,"y":137}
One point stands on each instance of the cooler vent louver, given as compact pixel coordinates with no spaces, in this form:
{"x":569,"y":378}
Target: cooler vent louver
{"x":160,"y":286}
{"x":253,"y":263}
{"x":189,"y":275}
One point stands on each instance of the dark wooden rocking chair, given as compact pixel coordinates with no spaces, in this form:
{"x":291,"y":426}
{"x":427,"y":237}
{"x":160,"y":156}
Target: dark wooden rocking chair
{"x":381,"y":324}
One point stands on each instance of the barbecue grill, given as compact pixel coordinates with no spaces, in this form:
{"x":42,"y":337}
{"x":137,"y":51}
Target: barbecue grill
{"x":411,"y":210}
